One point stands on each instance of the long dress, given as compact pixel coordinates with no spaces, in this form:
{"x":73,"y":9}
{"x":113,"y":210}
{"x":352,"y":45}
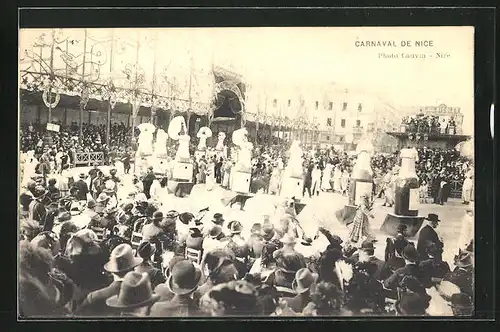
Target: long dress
{"x":210,"y":175}
{"x":337,"y":175}
{"x":327,"y":176}
{"x":227,"y":172}
{"x":344,"y":181}
{"x":275,"y":181}
{"x":360,"y":227}
{"x":467,"y":187}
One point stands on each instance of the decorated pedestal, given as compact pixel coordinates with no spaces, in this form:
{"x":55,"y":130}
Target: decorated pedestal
{"x":182,"y":171}
{"x":292,"y":187}
{"x":361,"y":182}
{"x":240,"y":182}
{"x":406,"y":198}
{"x":293,"y":182}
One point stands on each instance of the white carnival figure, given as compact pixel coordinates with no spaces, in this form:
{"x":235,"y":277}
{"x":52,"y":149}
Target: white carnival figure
{"x":203,"y":134}
{"x":244,"y":160}
{"x":145,"y":139}
{"x":292,"y":179}
{"x":220,"y":147}
{"x":241,"y":172}
{"x":29,"y":166}
{"x":178,"y":132}
{"x":182,"y":168}
{"x":161,"y":144}
{"x":294,"y":166}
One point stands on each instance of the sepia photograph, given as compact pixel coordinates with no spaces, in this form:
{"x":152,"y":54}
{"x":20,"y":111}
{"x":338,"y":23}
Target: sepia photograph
{"x":246,"y":172}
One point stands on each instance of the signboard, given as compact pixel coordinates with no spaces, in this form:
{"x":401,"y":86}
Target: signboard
{"x":414,"y":199}
{"x":362,"y":188}
{"x":53,"y":127}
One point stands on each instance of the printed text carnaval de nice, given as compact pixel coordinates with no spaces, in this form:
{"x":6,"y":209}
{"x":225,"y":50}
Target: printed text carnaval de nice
{"x":392,"y":43}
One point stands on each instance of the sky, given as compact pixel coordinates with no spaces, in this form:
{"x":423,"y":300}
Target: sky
{"x":313,"y":56}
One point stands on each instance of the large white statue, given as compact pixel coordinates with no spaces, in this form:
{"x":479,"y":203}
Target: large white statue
{"x":161,"y":144}
{"x":220,"y":142}
{"x":244,"y":159}
{"x":203,"y":134}
{"x":294,"y":165}
{"x":145,"y":140}
{"x":177,"y":130}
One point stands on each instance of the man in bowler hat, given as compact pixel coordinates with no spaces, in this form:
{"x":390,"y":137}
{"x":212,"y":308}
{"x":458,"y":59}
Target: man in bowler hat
{"x":428,"y":235}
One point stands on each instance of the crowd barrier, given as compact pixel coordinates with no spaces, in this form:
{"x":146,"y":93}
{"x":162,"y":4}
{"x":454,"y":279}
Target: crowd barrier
{"x":89,"y":158}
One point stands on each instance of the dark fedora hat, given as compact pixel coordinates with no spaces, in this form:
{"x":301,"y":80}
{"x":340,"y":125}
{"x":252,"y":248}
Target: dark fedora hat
{"x":157,"y":216}
{"x":218,"y":219}
{"x":184,"y":278}
{"x":215,"y":231}
{"x":267,"y":231}
{"x":410,"y":253}
{"x":433,"y":217}
{"x":122,"y":259}
{"x":367,"y":246}
{"x":235,"y":227}
{"x":463,"y":260}
{"x":145,"y":250}
{"x":412,"y":304}
{"x":135,"y":292}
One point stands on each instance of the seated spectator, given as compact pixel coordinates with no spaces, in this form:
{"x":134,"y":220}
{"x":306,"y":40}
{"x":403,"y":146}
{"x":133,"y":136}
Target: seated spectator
{"x":121,"y":261}
{"x":234,"y":298}
{"x":462,"y":305}
{"x":325,"y":300}
{"x":182,"y":282}
{"x":135,"y":297}
{"x":146,"y":252}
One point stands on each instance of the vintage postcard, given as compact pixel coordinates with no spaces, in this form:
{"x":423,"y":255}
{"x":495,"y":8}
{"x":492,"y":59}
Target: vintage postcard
{"x":196,"y":172}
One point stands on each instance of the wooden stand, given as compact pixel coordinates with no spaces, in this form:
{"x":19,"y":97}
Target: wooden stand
{"x":346,"y":215}
{"x":180,"y":188}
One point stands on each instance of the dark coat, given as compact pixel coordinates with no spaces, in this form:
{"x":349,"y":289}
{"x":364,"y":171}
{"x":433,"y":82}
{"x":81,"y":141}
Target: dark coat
{"x":463,"y":278}
{"x":434,"y":268}
{"x":426,"y":236}
{"x":155,"y":275}
{"x":178,"y":306}
{"x":408,"y":270}
{"x":298,"y":302}
{"x":95,"y":302}
{"x":83,"y":189}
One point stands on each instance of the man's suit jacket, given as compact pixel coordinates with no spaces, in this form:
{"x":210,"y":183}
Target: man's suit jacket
{"x":463,"y":278}
{"x":83,"y":189}
{"x":408,"y":270}
{"x":427,"y":234}
{"x":298,"y":302}
{"x":381,"y":270}
{"x":95,"y":302}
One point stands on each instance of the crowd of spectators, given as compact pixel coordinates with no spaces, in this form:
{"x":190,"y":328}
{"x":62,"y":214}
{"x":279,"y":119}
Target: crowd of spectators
{"x":428,"y":124}
{"x":95,"y":256}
